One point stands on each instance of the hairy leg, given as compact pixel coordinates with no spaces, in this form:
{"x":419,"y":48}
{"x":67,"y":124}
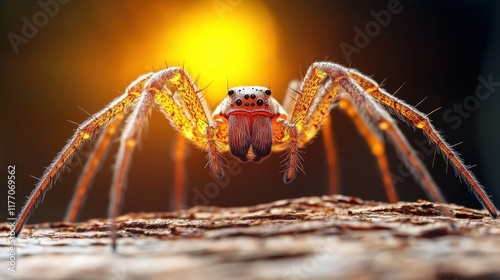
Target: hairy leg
{"x":180,"y":172}
{"x":312,"y":101}
{"x":90,"y":169}
{"x":376,"y":144}
{"x":288,"y":134}
{"x":331,"y":155}
{"x":128,"y":141}
{"x":82,"y":134}
{"x":365,"y":103}
{"x":421,"y":121}
{"x":185,"y":109}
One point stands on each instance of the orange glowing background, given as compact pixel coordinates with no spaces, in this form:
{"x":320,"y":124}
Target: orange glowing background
{"x":230,"y":46}
{"x":219,"y":43}
{"x":88,"y":53}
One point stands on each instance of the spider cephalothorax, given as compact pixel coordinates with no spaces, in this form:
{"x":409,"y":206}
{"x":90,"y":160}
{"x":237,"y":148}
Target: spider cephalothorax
{"x":250,"y":123}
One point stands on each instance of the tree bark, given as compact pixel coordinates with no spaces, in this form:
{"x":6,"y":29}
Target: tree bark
{"x":329,"y":237}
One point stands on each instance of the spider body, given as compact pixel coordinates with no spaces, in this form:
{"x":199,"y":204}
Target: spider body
{"x":250,"y":124}
{"x":250,"y":114}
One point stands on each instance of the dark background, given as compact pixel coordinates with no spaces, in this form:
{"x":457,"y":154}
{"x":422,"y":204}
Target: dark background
{"x":89,"y":52}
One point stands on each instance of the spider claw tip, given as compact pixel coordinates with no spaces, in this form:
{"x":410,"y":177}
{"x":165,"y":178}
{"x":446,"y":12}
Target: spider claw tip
{"x":219,"y":174}
{"x":288,"y":179}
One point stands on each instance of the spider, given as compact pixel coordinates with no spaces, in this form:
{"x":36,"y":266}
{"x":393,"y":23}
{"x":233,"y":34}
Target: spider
{"x":250,"y":124}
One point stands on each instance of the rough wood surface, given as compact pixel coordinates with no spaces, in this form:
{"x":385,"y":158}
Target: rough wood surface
{"x":329,"y":237}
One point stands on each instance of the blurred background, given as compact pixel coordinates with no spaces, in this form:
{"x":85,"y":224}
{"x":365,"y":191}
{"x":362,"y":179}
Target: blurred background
{"x":60,"y":57}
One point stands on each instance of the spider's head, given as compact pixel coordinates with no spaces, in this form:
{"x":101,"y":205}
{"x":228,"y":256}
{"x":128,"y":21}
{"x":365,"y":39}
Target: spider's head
{"x":249,"y":99}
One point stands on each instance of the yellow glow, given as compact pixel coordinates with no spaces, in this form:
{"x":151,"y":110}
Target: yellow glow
{"x":223,"y":44}
{"x":421,"y":124}
{"x":131,"y":143}
{"x":384,"y":125}
{"x":343,"y":104}
{"x":377,"y":149}
{"x":85,"y":135}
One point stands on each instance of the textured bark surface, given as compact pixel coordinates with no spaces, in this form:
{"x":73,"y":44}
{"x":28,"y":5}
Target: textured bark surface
{"x":329,"y":237}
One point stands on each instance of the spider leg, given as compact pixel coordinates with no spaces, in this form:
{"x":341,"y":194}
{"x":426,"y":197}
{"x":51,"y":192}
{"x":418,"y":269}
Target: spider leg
{"x":291,"y":96}
{"x":179,"y":174}
{"x":82,"y":134}
{"x":320,"y":96}
{"x":184,"y":108}
{"x":295,"y":131}
{"x":421,"y":121}
{"x":90,"y":169}
{"x":288,"y":134}
{"x":312,"y":83}
{"x":214,"y":155}
{"x":339,"y":81}
{"x":128,"y":141}
{"x":367,"y":104}
{"x":376,"y":144}
{"x":331,"y":155}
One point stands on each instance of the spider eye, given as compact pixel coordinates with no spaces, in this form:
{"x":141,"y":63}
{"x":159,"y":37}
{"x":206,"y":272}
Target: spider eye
{"x":268,"y":91}
{"x":230,"y":92}
{"x":253,"y":96}
{"x":260,"y":102}
{"x":246,"y":96}
{"x":239,"y":102}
